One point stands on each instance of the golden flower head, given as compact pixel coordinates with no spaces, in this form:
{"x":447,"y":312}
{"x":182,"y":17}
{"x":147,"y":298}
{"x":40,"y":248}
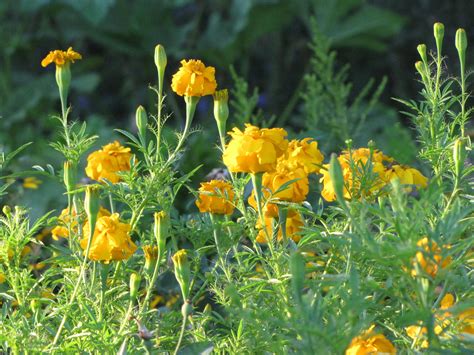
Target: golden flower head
{"x":216,"y":196}
{"x":466,"y":318}
{"x":61,"y":58}
{"x":194,"y":79}
{"x":370,"y":343}
{"x":31,"y":183}
{"x":430,"y":259}
{"x":180,"y":258}
{"x":294,"y":223}
{"x":61,"y":230}
{"x":407,"y":176}
{"x":303,"y":154}
{"x":2,"y":278}
{"x":111,"y":240}
{"x":273,"y":185}
{"x":254,"y":150}
{"x":106,"y":162}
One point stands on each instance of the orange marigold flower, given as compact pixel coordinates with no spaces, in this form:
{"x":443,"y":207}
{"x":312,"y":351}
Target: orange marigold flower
{"x":111,"y":240}
{"x":466,"y":319}
{"x":370,"y":343}
{"x":61,"y":230}
{"x":294,"y":223}
{"x":194,"y":79}
{"x":60,"y":57}
{"x":272,"y":182}
{"x":254,"y":150}
{"x":303,"y":154}
{"x":216,"y":197}
{"x":407,"y":176}
{"x":106,"y":162}
{"x":430,"y":259}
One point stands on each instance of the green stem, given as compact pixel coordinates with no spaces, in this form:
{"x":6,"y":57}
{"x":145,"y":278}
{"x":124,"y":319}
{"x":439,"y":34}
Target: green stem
{"x":158,"y":117}
{"x":181,"y":335}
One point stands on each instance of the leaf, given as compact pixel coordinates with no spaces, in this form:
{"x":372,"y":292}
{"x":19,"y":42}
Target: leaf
{"x":202,"y":348}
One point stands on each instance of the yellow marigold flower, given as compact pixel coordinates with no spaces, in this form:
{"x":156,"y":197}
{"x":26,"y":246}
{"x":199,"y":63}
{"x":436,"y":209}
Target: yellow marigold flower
{"x":111,"y":239}
{"x":294,"y":223}
{"x":354,"y":166}
{"x":31,"y":183}
{"x":194,"y":79}
{"x":60,"y":57}
{"x":216,"y":196}
{"x":430,"y":259}
{"x":2,"y":278}
{"x":466,"y":319}
{"x":61,"y":230}
{"x":106,"y":162}
{"x":304,"y":154}
{"x":254,"y":150}
{"x":407,"y":176}
{"x":273,"y":181}
{"x":370,"y":343}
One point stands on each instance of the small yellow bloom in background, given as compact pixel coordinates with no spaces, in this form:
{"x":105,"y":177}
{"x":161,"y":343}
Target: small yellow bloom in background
{"x":60,"y":57}
{"x":254,"y":150}
{"x":2,"y":278}
{"x":31,"y":183}
{"x":370,"y":343}
{"x":216,"y":196}
{"x":294,"y":223}
{"x":430,"y":260}
{"x":304,"y":154}
{"x":106,"y":162}
{"x":61,"y":230}
{"x":111,"y":240}
{"x":194,"y":79}
{"x":273,"y":181}
{"x":466,"y":318}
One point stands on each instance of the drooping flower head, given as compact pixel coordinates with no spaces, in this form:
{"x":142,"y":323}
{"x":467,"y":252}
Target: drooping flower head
{"x":106,"y":162}
{"x":60,"y":57}
{"x":111,"y":240}
{"x":370,"y":343}
{"x":430,"y":259}
{"x":216,"y":197}
{"x":303,"y":154}
{"x":294,"y":223}
{"x":194,"y":79}
{"x":254,"y":150}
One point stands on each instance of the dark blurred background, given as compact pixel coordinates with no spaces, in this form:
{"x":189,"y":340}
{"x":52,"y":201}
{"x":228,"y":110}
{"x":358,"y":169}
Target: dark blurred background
{"x":265,"y":41}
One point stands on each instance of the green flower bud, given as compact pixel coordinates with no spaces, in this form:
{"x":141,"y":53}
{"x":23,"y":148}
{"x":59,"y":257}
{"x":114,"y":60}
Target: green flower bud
{"x":69,"y":175}
{"x":160,"y":58}
{"x":161,"y":231}
{"x":297,"y":270}
{"x":141,"y":120}
{"x":92,"y":205}
{"x":186,"y":308}
{"x":335,"y":172}
{"x":421,"y":48}
{"x":135,"y":280}
{"x":63,"y":79}
{"x":420,"y":68}
{"x":35,"y":305}
{"x":461,"y":45}
{"x":459,"y":155}
{"x":182,"y":271}
{"x":438,"y":30}
{"x":7,"y":211}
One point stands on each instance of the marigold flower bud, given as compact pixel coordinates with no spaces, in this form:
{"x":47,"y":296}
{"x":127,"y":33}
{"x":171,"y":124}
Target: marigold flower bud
{"x":69,"y":175}
{"x":421,"y":48}
{"x":182,"y":271}
{"x":141,"y":120}
{"x":458,"y":157}
{"x":186,"y":308}
{"x":7,"y":211}
{"x":151,"y":257}
{"x":161,"y":230}
{"x":438,"y":30}
{"x":92,"y":204}
{"x":221,"y":108}
{"x":135,"y":280}
{"x":461,"y":45}
{"x":160,"y":58}
{"x":335,"y":172}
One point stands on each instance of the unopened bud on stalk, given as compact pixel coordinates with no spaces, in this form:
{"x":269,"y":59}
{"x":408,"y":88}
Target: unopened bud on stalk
{"x":182,"y":271}
{"x":221,"y":107}
{"x":141,"y":120}
{"x":161,"y":230}
{"x":461,"y":44}
{"x":335,"y":172}
{"x":135,"y":280}
{"x":92,"y":205}
{"x":63,"y":79}
{"x":186,"y":308}
{"x":160,"y":58}
{"x":458,"y":157}
{"x":69,"y":175}
{"x":421,"y":48}
{"x":151,"y":257}
{"x":7,"y":211}
{"x":420,"y":68}
{"x":438,"y":30}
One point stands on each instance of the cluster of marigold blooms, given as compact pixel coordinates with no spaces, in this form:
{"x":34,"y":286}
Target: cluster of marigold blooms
{"x":267,"y":154}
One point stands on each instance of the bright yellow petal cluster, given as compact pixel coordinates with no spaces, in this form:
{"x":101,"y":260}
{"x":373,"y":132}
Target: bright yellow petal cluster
{"x":294,"y":223}
{"x":273,"y":181}
{"x":370,"y":343}
{"x":31,"y":183}
{"x":61,"y":230}
{"x":430,"y":260}
{"x":354,"y":169}
{"x":194,"y":79}
{"x":254,"y":150}
{"x":151,"y":252}
{"x":60,"y":57}
{"x":111,"y":239}
{"x":466,"y":319}
{"x":304,"y":154}
{"x":216,"y":196}
{"x":106,"y":162}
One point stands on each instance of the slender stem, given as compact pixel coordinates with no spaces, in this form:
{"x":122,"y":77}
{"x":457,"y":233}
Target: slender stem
{"x":158,"y":117}
{"x":112,"y":204}
{"x":181,"y":334}
{"x":257,"y":186}
{"x":154,"y":276}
